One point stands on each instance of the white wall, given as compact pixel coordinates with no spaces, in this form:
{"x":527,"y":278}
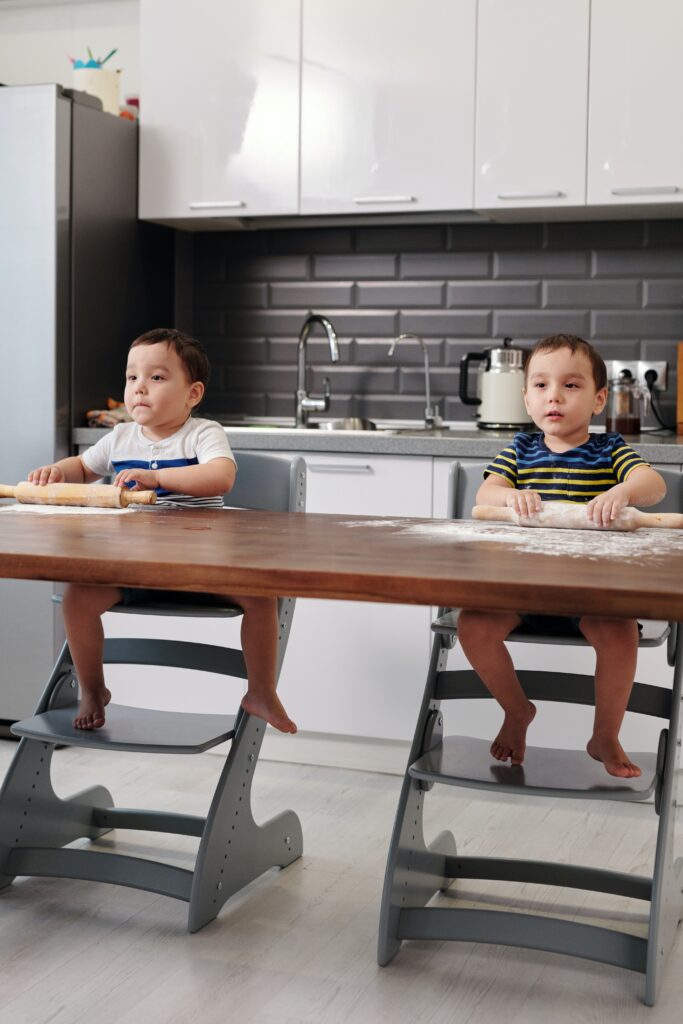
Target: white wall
{"x":36,"y":41}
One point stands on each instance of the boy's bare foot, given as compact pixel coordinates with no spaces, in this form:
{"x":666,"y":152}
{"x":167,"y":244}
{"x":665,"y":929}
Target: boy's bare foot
{"x":612,"y":755}
{"x":510,"y":743}
{"x":270,"y":709}
{"x":91,"y":709}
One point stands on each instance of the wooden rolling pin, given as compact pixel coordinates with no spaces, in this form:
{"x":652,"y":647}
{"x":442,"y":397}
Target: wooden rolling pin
{"x":565,"y":516}
{"x":98,"y":495}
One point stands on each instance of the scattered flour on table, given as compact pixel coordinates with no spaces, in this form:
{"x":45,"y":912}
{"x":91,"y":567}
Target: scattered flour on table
{"x":60,"y":510}
{"x":591,"y":544}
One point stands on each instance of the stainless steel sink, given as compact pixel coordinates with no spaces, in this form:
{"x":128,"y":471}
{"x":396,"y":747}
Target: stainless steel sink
{"x":418,"y":431}
{"x":349,"y":423}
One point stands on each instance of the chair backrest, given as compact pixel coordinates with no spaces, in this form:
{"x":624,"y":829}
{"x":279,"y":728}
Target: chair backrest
{"x":276,"y":483}
{"x":465,"y":479}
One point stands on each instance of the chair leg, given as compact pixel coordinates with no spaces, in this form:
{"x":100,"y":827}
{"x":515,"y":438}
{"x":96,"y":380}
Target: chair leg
{"x":666,"y":910}
{"x":415,"y":871}
{"x":234,"y":849}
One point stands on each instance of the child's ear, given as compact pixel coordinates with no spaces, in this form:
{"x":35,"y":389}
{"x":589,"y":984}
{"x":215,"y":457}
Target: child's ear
{"x":196,"y":393}
{"x":600,"y":401}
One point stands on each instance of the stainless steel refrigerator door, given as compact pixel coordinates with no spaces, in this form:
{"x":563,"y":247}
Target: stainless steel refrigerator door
{"x":35,"y":149}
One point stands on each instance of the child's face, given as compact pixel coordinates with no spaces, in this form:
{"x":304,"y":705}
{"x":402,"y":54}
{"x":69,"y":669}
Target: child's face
{"x":159,"y":394}
{"x":560,"y":393}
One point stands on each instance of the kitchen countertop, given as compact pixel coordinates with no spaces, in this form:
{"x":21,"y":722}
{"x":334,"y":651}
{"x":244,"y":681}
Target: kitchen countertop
{"x":460,"y":441}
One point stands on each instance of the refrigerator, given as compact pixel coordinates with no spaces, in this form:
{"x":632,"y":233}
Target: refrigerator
{"x":80,"y":277}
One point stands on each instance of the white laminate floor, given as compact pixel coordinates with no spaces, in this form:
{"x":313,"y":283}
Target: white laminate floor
{"x":299,"y":945}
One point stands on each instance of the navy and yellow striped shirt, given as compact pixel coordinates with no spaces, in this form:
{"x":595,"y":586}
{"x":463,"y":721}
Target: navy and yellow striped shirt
{"x":577,"y":475}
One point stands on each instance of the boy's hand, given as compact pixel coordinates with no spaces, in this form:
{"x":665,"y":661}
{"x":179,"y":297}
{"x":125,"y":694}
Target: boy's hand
{"x":525,"y":503}
{"x":144,"y":479}
{"x":606,"y":507}
{"x":46,"y":475}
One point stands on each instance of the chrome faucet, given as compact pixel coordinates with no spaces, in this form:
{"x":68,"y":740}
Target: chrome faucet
{"x":305,"y":403}
{"x":432,"y":417}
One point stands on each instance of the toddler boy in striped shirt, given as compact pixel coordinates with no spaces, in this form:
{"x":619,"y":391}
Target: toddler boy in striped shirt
{"x":565,"y":386}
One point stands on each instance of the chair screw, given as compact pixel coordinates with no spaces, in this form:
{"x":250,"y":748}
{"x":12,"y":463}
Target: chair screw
{"x":72,"y":684}
{"x":251,"y":757}
{"x":288,"y":840}
{"x":219,"y":886}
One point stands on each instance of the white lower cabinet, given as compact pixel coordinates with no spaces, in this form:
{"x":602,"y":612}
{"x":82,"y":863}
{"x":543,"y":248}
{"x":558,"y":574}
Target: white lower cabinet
{"x":358,"y":668}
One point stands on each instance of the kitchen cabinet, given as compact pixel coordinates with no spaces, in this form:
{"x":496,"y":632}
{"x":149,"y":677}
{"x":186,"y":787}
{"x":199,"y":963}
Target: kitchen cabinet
{"x":532,"y":90}
{"x":352,"y":667}
{"x":635,"y":146}
{"x":220,"y":108}
{"x":387,"y":105}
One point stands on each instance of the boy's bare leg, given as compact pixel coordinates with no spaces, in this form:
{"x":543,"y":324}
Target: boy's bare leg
{"x":82,"y":608}
{"x":259,"y":645}
{"x":482,"y":635}
{"x":616,"y":649}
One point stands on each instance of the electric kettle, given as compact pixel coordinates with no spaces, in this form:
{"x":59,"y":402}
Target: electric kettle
{"x":500,"y":383}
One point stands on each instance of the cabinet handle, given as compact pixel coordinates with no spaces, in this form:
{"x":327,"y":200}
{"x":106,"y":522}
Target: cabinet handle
{"x":364,"y":200}
{"x":553,"y":193}
{"x":333,"y":467}
{"x":226,"y":204}
{"x":646,"y":190}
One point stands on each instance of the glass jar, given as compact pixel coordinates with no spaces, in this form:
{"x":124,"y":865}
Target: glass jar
{"x":623,"y":406}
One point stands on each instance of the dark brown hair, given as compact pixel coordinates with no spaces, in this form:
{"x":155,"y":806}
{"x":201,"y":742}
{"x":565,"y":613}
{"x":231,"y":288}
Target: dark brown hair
{"x":188,"y":349}
{"x":575,"y":344}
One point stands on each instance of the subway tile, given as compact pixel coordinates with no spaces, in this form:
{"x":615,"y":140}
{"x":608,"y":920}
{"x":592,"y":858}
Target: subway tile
{"x":456,"y":411}
{"x":238,"y":243}
{"x":354,"y":267}
{"x":263,"y":322}
{"x":209,"y":268}
{"x":619,"y":349}
{"x":443,"y":324}
{"x":591,"y":293}
{"x":400,"y":238}
{"x":637,"y":262}
{"x":493,"y":293}
{"x":373,"y":351}
{"x":262,"y":378}
{"x":540,"y":264}
{"x":284,"y":350}
{"x":595,"y":234}
{"x":663,"y":293}
{"x":539,"y":323}
{"x":392,"y":407}
{"x":311,"y":294}
{"x":638,"y":325}
{"x":664,"y":233}
{"x":310,"y":240}
{"x":267,"y":268}
{"x":445,"y":265}
{"x":239,"y":403}
{"x":363,"y":323}
{"x":489,"y":237}
{"x":355,"y":379}
{"x":234,"y":351}
{"x":245,"y":295}
{"x":456,"y":350}
{"x":442,"y":381}
{"x":662,"y":350}
{"x":206,"y":322}
{"x":401,"y":294}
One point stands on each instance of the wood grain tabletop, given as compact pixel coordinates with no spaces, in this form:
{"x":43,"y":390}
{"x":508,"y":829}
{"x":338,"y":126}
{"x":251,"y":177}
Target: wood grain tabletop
{"x":406,"y":561}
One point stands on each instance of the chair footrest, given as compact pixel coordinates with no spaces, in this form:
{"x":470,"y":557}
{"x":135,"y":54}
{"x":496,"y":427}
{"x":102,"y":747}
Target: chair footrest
{"x":464,"y":761}
{"x":129,"y":728}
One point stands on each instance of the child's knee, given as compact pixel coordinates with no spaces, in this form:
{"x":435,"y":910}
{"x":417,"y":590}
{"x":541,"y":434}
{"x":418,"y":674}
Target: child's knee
{"x":477,"y":625}
{"x":613,"y":632}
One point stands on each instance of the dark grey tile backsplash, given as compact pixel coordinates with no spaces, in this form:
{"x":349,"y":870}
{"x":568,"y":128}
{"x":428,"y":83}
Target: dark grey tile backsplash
{"x":619,"y":284}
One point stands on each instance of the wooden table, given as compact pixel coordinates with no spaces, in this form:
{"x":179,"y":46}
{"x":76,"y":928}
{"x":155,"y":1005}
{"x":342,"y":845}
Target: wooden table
{"x":328,"y":556}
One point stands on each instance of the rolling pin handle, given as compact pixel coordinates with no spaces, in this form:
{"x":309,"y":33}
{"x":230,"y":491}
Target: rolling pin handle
{"x":7,"y":492}
{"x":137,"y":497}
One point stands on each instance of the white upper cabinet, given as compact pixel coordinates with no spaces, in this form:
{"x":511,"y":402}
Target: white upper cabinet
{"x":387,"y":105}
{"x":532,"y":94}
{"x":635,"y":149}
{"x":220,"y":108}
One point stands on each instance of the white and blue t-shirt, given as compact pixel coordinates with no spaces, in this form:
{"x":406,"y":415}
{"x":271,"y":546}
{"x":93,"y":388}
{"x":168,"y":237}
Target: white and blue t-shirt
{"x":126,"y":447}
{"x":577,"y":475}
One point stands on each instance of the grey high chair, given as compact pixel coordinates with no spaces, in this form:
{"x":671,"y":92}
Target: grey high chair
{"x":36,"y":825}
{"x":417,"y":871}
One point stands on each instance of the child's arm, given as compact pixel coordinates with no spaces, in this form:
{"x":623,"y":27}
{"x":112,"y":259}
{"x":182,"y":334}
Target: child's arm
{"x":643,"y":486}
{"x":497,"y":491}
{"x":69,"y":471}
{"x":201,"y":481}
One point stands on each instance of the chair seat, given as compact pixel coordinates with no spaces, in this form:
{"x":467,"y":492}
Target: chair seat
{"x":465,"y":761}
{"x":129,"y":728}
{"x":653,"y":633}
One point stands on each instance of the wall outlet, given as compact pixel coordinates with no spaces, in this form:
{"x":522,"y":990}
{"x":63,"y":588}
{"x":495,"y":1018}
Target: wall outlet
{"x":638,"y":369}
